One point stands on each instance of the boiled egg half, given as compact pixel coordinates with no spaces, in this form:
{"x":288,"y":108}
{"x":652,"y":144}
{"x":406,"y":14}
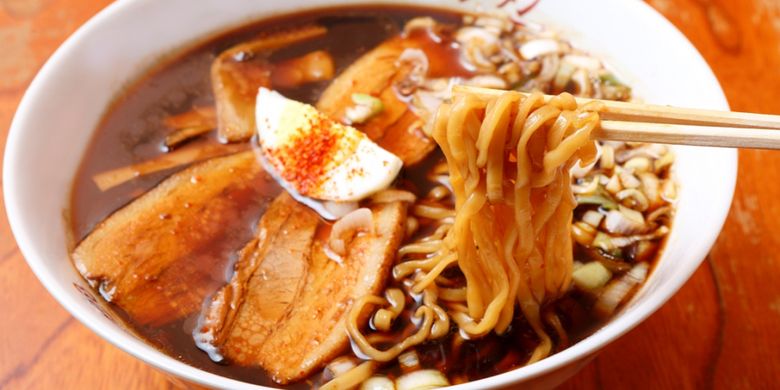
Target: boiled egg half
{"x":316,"y":156}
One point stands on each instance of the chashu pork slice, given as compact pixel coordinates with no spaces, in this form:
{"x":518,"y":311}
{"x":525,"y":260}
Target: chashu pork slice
{"x":161,"y":255}
{"x":239,"y":71}
{"x":396,"y":128}
{"x":267,"y":277}
{"x":285,"y":307}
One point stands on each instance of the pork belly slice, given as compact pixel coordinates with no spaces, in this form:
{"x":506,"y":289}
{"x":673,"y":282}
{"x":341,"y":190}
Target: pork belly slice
{"x":239,"y":71}
{"x":376,"y":73}
{"x":267,"y":277}
{"x":161,"y":255}
{"x":288,"y":316}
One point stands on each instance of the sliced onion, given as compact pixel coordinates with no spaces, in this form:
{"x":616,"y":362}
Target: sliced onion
{"x":360,"y":220}
{"x":478,"y":44}
{"x":493,"y":24}
{"x":643,"y":250}
{"x":414,"y":57}
{"x":639,"y":164}
{"x":107,"y":292}
{"x":613,"y":185}
{"x":617,"y":145}
{"x":581,"y":79}
{"x":332,"y":210}
{"x":607,"y":157}
{"x":651,"y":187}
{"x":619,"y":289}
{"x":620,"y":242}
{"x":592,"y":218}
{"x":418,"y":64}
{"x":663,"y":162}
{"x":425,"y":102}
{"x":588,"y":188}
{"x":604,"y":242}
{"x":509,"y":52}
{"x":339,"y":366}
{"x":633,"y":198}
{"x":539,"y":47}
{"x":562,"y":76}
{"x":669,"y":190}
{"x":628,"y":180}
{"x":550,"y":65}
{"x":624,"y":221}
{"x":421,"y":22}
{"x":583,"y":62}
{"x":479,"y":35}
{"x":409,"y":361}
{"x":378,"y":383}
{"x":647,"y":150}
{"x":613,"y":263}
{"x":421,"y":380}
{"x":665,"y":211}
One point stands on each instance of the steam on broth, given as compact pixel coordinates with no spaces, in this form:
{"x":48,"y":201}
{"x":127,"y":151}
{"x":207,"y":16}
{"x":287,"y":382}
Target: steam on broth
{"x":305,"y":202}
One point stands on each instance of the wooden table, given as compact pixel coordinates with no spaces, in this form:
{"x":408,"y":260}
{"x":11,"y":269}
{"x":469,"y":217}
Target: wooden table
{"x":721,"y":330}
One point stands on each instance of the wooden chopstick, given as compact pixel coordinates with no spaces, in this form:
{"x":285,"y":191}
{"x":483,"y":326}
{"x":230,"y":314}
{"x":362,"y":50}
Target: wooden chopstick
{"x":622,"y":121}
{"x":664,"y":133}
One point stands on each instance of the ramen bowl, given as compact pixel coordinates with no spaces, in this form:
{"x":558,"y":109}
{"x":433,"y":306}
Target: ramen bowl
{"x":58,"y":114}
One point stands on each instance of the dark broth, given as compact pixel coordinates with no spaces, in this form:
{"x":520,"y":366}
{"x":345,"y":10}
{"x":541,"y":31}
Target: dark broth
{"x":132,"y":131}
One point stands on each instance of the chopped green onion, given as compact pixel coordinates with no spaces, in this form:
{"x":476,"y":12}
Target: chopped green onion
{"x":610,"y":79}
{"x":366,"y":107}
{"x":367,"y":100}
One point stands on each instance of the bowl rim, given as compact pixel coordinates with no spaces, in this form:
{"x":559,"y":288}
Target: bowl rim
{"x":595,"y":341}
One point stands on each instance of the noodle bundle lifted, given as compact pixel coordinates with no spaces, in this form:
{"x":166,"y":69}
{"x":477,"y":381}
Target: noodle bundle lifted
{"x":508,"y":159}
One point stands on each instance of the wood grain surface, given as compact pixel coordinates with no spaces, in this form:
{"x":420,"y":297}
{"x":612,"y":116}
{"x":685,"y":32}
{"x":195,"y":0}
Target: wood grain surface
{"x":722,"y":330}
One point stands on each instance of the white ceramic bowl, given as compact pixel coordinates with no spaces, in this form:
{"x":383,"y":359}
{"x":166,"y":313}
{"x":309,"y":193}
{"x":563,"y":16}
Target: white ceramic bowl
{"x":63,"y":105}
